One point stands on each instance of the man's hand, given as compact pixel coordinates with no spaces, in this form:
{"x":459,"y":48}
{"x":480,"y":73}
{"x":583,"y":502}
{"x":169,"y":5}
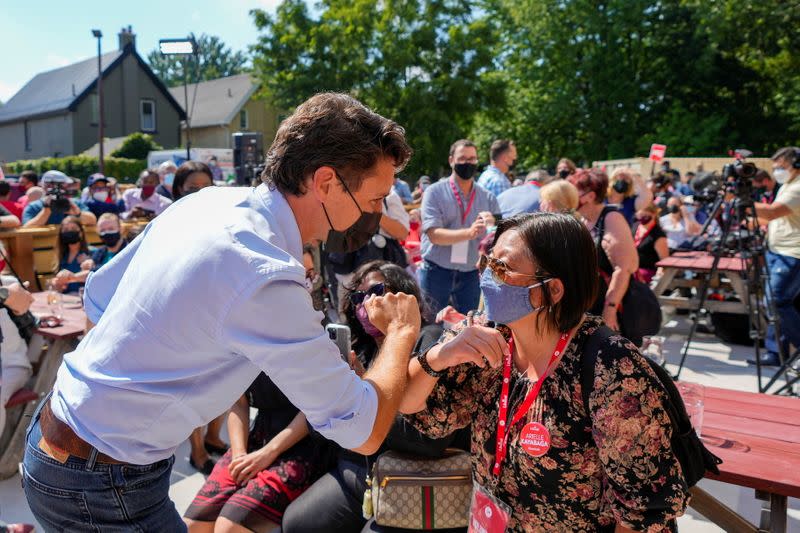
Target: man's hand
{"x":488,"y":218}
{"x":19,"y":299}
{"x":73,"y":208}
{"x":394,"y":311}
{"x":473,"y":344}
{"x":477,"y":230}
{"x":610,"y":317}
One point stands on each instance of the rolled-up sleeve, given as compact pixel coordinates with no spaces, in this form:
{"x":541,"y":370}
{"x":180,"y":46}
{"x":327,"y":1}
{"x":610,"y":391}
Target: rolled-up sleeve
{"x":274,"y":325}
{"x":432,"y":216}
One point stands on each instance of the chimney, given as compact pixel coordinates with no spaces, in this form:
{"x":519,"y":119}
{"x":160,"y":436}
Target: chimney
{"x":127,"y":37}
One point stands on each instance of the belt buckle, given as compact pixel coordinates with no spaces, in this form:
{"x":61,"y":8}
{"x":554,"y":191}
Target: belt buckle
{"x":52,"y":452}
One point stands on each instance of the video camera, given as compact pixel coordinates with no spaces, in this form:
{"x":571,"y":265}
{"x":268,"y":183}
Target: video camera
{"x":57,"y":200}
{"x":736,"y":178}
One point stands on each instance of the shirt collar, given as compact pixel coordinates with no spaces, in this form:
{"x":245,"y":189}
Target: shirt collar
{"x":282,"y":216}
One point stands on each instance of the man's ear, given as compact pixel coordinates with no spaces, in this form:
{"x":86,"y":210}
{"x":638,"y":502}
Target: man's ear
{"x":322,"y":182}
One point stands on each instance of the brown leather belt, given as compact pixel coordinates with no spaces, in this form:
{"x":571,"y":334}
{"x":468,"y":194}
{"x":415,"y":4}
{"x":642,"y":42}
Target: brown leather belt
{"x":63,"y":442}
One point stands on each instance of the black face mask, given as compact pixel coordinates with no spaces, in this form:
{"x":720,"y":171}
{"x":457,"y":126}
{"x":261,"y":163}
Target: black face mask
{"x":357,"y":235}
{"x":622,"y":187}
{"x":465,"y":171}
{"x":110,"y":239}
{"x":674,"y":209}
{"x":70,"y":237}
{"x":563,"y":174}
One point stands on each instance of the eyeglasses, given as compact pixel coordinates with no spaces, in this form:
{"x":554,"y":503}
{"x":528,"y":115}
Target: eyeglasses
{"x":503,"y":274}
{"x":358,"y":297}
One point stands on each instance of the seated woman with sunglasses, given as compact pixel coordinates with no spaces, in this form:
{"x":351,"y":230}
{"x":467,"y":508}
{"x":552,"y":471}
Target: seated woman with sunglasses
{"x":555,"y":465}
{"x":333,"y":503}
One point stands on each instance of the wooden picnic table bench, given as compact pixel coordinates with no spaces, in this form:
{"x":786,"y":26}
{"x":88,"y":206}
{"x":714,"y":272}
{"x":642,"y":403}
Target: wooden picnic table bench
{"x":731,"y":273}
{"x":758,"y":438}
{"x":46,"y":350}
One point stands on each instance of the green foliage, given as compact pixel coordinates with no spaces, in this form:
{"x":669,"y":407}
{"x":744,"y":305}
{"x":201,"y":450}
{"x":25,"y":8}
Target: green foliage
{"x":424,"y":63}
{"x":82,"y":166}
{"x":214,"y":60}
{"x":585,"y":79}
{"x":136,"y":146}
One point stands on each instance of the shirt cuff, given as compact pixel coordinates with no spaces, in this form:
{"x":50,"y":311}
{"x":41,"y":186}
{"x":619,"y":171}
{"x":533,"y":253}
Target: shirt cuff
{"x":353,"y":429}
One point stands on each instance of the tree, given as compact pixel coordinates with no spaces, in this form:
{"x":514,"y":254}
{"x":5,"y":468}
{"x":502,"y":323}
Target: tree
{"x":214,"y":60}
{"x":425,"y":63}
{"x":136,"y":146}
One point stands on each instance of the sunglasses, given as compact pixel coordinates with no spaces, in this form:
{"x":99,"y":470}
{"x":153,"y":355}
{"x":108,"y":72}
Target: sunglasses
{"x":358,"y":297}
{"x":503,"y":274}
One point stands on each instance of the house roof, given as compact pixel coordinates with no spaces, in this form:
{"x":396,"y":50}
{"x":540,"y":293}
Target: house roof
{"x":60,"y":90}
{"x":216,"y":102}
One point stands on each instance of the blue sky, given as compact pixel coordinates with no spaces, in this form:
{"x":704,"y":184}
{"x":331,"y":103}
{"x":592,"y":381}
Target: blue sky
{"x":39,"y":35}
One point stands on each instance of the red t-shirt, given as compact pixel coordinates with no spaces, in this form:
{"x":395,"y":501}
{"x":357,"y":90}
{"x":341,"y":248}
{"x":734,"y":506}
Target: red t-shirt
{"x":13,"y":207}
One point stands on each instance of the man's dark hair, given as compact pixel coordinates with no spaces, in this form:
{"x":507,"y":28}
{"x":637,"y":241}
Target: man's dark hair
{"x":762,"y":175}
{"x":459,"y":143}
{"x":5,"y":188}
{"x":788,"y":153}
{"x":31,"y":176}
{"x":335,"y":130}
{"x":553,"y":241}
{"x":499,"y":147}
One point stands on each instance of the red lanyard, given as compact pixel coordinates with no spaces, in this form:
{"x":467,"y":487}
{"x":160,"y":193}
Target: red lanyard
{"x":502,"y":432}
{"x":535,"y":183}
{"x":637,"y":239}
{"x":464,"y":214}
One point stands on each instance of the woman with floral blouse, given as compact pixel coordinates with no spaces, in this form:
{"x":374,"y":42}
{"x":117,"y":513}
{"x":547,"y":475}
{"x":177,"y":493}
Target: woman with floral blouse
{"x":557,"y":467}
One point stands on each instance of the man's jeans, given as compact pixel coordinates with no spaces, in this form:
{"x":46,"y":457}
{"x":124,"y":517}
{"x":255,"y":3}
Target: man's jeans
{"x":83,"y":495}
{"x":784,"y":279}
{"x":439,"y":284}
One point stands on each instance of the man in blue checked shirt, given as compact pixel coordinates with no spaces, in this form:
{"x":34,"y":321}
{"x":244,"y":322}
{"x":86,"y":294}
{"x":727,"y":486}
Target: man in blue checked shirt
{"x":502,"y":158}
{"x":212,"y":293}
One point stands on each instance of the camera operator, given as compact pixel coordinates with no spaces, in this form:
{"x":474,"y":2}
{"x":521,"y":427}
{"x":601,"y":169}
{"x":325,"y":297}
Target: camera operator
{"x":783,"y":254}
{"x":661,"y":187}
{"x":765,"y":187}
{"x":55,"y":205}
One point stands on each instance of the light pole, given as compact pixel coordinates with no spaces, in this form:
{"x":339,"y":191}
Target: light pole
{"x":99,"y":35}
{"x":182,"y":47}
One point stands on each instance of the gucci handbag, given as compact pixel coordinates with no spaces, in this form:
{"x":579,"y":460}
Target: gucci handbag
{"x":409,"y":492}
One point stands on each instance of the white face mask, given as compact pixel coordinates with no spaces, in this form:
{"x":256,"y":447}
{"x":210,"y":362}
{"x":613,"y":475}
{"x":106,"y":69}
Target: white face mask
{"x":781,"y":175}
{"x":100,"y":196}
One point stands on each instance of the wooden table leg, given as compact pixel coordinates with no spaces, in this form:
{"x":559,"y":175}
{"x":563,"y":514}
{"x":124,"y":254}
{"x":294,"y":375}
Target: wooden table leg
{"x":43,"y":383}
{"x":773,"y":512}
{"x":720,"y":514}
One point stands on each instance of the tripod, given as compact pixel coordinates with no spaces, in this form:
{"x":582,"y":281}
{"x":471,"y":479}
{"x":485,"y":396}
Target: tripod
{"x":747,"y":245}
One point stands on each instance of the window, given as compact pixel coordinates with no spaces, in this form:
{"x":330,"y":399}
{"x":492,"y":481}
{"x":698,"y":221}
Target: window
{"x":147,"y":115}
{"x":243,"y":119}
{"x":93,"y":100}
{"x":27,"y":127}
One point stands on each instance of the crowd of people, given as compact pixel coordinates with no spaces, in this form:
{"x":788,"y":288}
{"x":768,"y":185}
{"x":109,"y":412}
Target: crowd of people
{"x":535,"y":269}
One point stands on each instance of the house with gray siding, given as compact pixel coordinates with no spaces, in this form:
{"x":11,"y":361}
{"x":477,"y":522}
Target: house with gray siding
{"x":56,"y":113}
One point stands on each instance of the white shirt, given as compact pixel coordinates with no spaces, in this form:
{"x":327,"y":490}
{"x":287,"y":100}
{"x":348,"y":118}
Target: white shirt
{"x":188,"y":314}
{"x":393,"y":208}
{"x":155,"y":202}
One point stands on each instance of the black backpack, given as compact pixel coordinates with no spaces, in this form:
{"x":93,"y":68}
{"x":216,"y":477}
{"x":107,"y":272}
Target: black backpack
{"x":690,"y":451}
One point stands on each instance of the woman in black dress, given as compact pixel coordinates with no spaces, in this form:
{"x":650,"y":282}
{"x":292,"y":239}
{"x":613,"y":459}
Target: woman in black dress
{"x":651,"y":242}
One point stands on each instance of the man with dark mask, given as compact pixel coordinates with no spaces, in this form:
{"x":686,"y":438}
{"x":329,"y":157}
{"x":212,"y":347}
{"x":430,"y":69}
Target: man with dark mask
{"x":186,"y":319}
{"x":502,"y":159}
{"x":456,"y":213}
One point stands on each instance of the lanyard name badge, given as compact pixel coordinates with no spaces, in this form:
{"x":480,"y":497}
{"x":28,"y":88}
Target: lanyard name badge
{"x":459,"y":252}
{"x":487,"y":513}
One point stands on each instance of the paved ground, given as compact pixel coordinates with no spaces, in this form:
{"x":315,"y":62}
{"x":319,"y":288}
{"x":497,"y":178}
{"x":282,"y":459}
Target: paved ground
{"x":710,"y":362}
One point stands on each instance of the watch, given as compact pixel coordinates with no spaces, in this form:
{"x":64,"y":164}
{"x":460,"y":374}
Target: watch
{"x":3,"y":295}
{"x":611,"y":304}
{"x":422,"y":357}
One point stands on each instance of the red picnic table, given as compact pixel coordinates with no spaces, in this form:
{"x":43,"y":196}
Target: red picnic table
{"x":46,"y":350}
{"x":758,"y":438}
{"x":733,"y":269}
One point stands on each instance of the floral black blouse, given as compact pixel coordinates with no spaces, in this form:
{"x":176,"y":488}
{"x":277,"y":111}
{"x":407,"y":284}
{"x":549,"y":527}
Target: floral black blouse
{"x":617,"y":467}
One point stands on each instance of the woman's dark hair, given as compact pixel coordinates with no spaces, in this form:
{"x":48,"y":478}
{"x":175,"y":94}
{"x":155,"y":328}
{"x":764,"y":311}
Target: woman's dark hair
{"x":594,"y":180}
{"x":63,"y":249}
{"x":562,"y":248}
{"x":395,"y":279}
{"x":184,"y":171}
{"x":335,"y":130}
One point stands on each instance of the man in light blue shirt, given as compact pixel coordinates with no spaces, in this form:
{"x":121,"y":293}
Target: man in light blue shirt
{"x":403,"y":190}
{"x":456,"y":213}
{"x":502,"y":158}
{"x":208,"y":296}
{"x":522,"y":199}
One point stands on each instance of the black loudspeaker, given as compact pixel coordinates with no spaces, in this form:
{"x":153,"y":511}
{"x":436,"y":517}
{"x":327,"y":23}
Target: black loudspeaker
{"x":248,"y":155}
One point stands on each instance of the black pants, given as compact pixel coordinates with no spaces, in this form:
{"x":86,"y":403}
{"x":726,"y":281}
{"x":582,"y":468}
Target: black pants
{"x":333,"y":503}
